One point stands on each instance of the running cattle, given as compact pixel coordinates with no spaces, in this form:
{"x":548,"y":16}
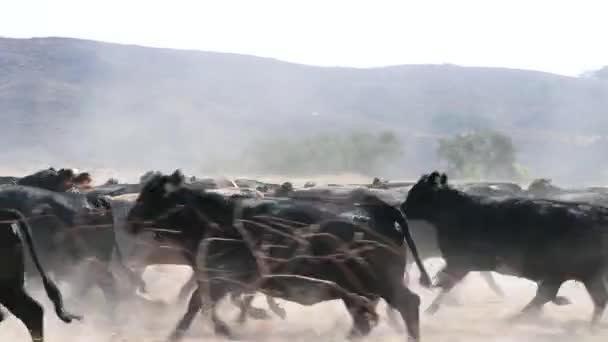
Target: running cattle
{"x":69,"y":229}
{"x":334,"y":259}
{"x":49,"y":179}
{"x":14,"y":234}
{"x":548,"y":242}
{"x":144,"y":251}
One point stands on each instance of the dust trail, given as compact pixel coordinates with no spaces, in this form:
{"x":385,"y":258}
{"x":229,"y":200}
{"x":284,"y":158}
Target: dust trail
{"x":480,"y":317}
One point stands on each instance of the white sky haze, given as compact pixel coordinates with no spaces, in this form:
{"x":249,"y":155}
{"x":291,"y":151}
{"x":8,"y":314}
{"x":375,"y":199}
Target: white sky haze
{"x":565,"y":37}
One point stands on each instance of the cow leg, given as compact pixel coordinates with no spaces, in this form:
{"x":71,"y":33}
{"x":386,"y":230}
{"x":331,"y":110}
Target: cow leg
{"x":546,"y":292}
{"x":99,"y":274}
{"x":106,"y":282}
{"x":194,"y":306}
{"x":28,"y":310}
{"x":408,"y":305}
{"x":135,"y":279}
{"x":599,"y":295}
{"x":392,"y":319}
{"x":491,"y":281}
{"x":84,"y":287}
{"x":243,"y":304}
{"x":187,"y":288}
{"x":275,"y":307}
{"x":137,"y":274}
{"x":2,"y":315}
{"x":361,"y":325}
{"x":216,"y":292}
{"x":448,"y":278}
{"x":247,"y":309}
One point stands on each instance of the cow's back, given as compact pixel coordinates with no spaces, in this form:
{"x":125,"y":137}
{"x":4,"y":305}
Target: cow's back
{"x":534,"y":236}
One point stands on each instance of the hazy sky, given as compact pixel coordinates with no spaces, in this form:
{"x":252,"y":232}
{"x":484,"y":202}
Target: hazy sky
{"x":565,"y":37}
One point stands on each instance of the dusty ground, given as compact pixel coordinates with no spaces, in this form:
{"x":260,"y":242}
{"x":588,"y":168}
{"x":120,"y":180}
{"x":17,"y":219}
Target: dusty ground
{"x":481,"y":317}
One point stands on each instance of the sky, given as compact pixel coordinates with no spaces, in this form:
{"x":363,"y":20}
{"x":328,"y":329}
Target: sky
{"x":564,"y":37}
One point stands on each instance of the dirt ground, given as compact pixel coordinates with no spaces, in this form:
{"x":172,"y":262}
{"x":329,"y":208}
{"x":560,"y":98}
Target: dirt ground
{"x":481,"y":316}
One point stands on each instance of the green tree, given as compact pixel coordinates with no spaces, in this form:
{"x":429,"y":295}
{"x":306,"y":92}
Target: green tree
{"x":361,"y":152}
{"x":479,"y":155}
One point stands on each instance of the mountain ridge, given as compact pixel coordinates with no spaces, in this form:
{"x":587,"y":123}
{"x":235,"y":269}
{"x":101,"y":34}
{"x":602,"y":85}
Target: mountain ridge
{"x":81,"y":100}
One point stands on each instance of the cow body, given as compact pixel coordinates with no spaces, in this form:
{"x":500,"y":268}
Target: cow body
{"x":15,"y":235}
{"x":307,"y":264}
{"x":69,"y":229}
{"x":144,"y":251}
{"x":548,"y":242}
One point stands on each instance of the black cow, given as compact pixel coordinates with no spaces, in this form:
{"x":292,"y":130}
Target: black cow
{"x":292,"y":211}
{"x":69,"y":229}
{"x":49,"y":179}
{"x":14,"y":233}
{"x":334,"y":259}
{"x":8,"y":180}
{"x":548,"y":242}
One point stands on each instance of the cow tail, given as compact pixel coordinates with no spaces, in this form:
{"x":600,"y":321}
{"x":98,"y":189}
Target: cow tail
{"x":425,"y":278}
{"x":50,"y":287}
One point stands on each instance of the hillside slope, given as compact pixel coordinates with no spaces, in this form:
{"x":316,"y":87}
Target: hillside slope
{"x":70,"y":100}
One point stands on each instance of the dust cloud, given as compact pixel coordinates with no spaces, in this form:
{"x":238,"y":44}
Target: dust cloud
{"x":478,"y":316}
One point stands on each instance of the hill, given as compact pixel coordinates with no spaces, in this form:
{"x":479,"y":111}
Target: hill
{"x":101,"y":104}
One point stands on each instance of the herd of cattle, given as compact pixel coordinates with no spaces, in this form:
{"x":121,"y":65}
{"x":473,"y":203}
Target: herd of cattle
{"x":302,"y":244}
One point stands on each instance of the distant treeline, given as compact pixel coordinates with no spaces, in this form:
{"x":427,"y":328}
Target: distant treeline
{"x":483,"y":154}
{"x":357,"y":151}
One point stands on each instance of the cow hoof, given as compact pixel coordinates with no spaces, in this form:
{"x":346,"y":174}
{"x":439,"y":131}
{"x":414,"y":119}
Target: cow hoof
{"x":176,"y":336}
{"x":223,"y":330}
{"x":561,"y":300}
{"x":355,"y":335}
{"x":425,"y":282}
{"x":68,"y":317}
{"x":431,"y":310}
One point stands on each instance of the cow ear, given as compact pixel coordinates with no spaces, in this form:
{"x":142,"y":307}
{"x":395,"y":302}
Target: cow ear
{"x":177,"y":178}
{"x":423,"y":178}
{"x":434,"y":178}
{"x":444,"y":179}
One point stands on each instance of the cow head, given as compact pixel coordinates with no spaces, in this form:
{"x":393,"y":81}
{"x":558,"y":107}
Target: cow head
{"x":65,"y":179}
{"x":155,"y":199}
{"x":422,"y":199}
{"x":175,"y":211}
{"x":182,"y":224}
